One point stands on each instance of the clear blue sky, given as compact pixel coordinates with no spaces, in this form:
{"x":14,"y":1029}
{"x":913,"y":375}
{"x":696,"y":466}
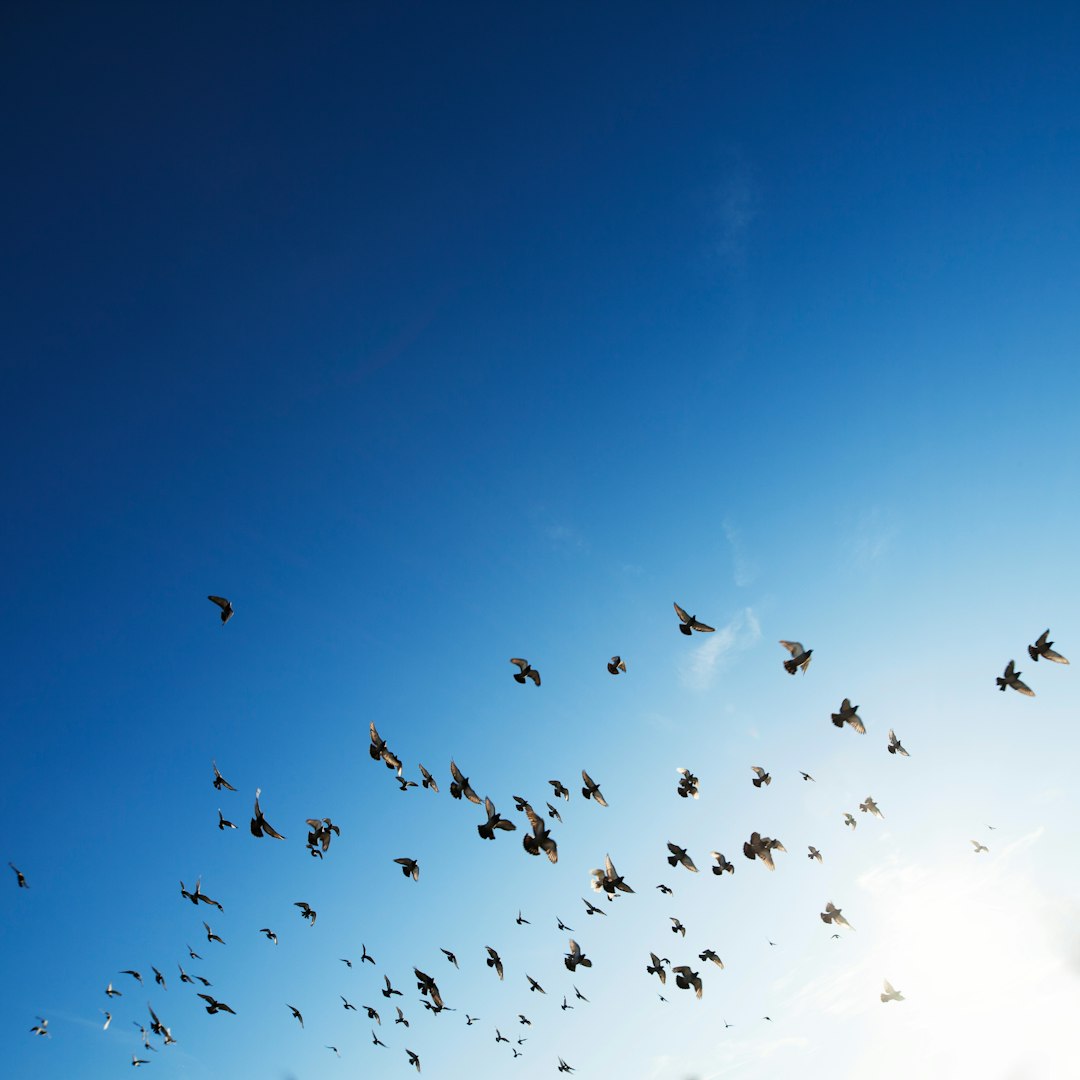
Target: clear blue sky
{"x":433,"y":335}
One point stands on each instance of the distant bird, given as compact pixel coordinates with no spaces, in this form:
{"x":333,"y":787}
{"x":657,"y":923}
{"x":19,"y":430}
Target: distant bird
{"x":562,"y":925}
{"x":108,"y":1019}
{"x":449,"y":956}
{"x":210,"y":935}
{"x":364,"y":956}
{"x":347,"y":1005}
{"x":666,"y":890}
{"x":193,"y":954}
{"x":427,"y":780}
{"x":561,"y":790}
{"x":1011,"y":677}
{"x":564,"y":1006}
{"x":494,"y":961}
{"x":184,"y":976}
{"x":19,"y":876}
{"x":494,"y":821}
{"x":688,"y":784}
{"x":259,"y":825}
{"x":427,"y":986}
{"x":656,"y":967}
{"x":592,"y":909}
{"x":270,"y":935}
{"x":137,"y":1061}
{"x":722,"y":865}
{"x":541,"y":839}
{"x":470,"y":1020}
{"x":460,"y":785}
{"x":500,"y":1037}
{"x":891,"y":994}
{"x":205,"y":982}
{"x":322,"y":830}
{"x":334,"y":1048}
{"x":1042,"y":648}
{"x":347,"y":963}
{"x":679,"y":856}
{"x":762,"y":776}
{"x":403,"y":785}
{"x":608,"y":879}
{"x":677,"y":927}
{"x":134,"y":974}
{"x":409,"y":867}
{"x":215,"y":1006}
{"x":524,"y":1020}
{"x":110,"y":992}
{"x":806,"y":776}
{"x":307,"y":912}
{"x":563,"y":1067}
{"x":575,"y":957}
{"x":591,"y":790}
{"x":389,"y":991}
{"x":685,"y":979}
{"x":198,"y":895}
{"x":400,"y":1017}
{"x":849,"y":714}
{"x":870,"y":807}
{"x":979,"y":847}
{"x":41,"y":1027}
{"x":372,"y":1014}
{"x":534,"y":986}
{"x":225,"y":605}
{"x":553,"y":813}
{"x":689,"y":623}
{"x":158,"y":1028}
{"x":849,"y":820}
{"x":525,"y":671}
{"x":223,"y":823}
{"x":894,"y":746}
{"x":800,"y":657}
{"x":296,"y":1013}
{"x":616,"y":664}
{"x":158,"y":977}
{"x":219,"y":780}
{"x":376,"y":1041}
{"x":522,"y":921}
{"x":710,"y":954}
{"x":762,"y":847}
{"x":831,"y":914}
{"x":814,"y":853}
{"x":413,"y":1058}
{"x":379,"y":751}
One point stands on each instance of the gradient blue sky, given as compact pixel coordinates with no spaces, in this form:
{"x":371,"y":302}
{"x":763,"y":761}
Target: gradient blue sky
{"x":433,"y":335}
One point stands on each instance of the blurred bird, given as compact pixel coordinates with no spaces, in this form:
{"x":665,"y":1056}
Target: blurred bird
{"x":849,"y":714}
{"x":296,"y":1013}
{"x":525,"y":671}
{"x":193,"y":954}
{"x":814,"y":853}
{"x":689,"y":623}
{"x":364,"y":956}
{"x":134,"y":974}
{"x":19,"y":876}
{"x":894,"y":746}
{"x":1011,"y":677}
{"x":591,"y":790}
{"x":722,"y":865}
{"x":677,"y":927}
{"x":428,"y":781}
{"x":184,"y":976}
{"x":575,"y":957}
{"x":41,"y":1027}
{"x":460,"y":785}
{"x":379,"y":751}
{"x":426,"y":985}
{"x":831,"y":914}
{"x":553,"y":813}
{"x":388,"y":991}
{"x":800,"y":657}
{"x":849,"y":820}
{"x":494,"y":821}
{"x":563,"y":1067}
{"x":409,"y":867}
{"x":259,"y":825}
{"x":347,"y":1005}
{"x":219,"y":780}
{"x":979,"y":847}
{"x":522,"y":921}
{"x":225,"y":605}
{"x":372,"y":1014}
{"x":210,"y":935}
{"x":540,"y":840}
{"x":679,"y":856}
{"x":534,"y":986}
{"x":376,"y":1041}
{"x":685,"y":979}
{"x":198,"y":895}
{"x":564,"y":1006}
{"x":110,"y":992}
{"x":870,"y":807}
{"x":608,"y":879}
{"x":413,"y":1058}
{"x":666,"y":890}
{"x":561,"y":790}
{"x":158,"y":977}
{"x":688,"y":784}
{"x":616,"y":665}
{"x":806,"y":776}
{"x":891,"y":994}
{"x":321,"y":832}
{"x":562,"y":925}
{"x":710,"y":954}
{"x":137,"y":1061}
{"x":400,"y":1017}
{"x":449,"y":956}
{"x":215,"y":1006}
{"x":494,"y":961}
{"x":762,"y":847}
{"x":223,"y":823}
{"x":306,"y":911}
{"x":1042,"y":648}
{"x":108,"y":1019}
{"x":762,"y":776}
{"x":656,"y":967}
{"x":592,"y":909}
{"x":270,"y":935}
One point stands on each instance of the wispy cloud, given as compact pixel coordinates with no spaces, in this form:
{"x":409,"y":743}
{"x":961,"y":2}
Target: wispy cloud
{"x":736,"y":207}
{"x":699,"y":669}
{"x":745,"y":569}
{"x":873,"y":536}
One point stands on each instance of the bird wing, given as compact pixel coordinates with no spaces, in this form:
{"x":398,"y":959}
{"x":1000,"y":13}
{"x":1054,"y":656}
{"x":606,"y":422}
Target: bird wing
{"x":793,"y":647}
{"x":522,"y":664}
{"x":682,"y":614}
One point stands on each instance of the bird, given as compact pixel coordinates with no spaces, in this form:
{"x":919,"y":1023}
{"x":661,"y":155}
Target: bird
{"x":806,"y":776}
{"x":134,"y":974}
{"x":205,"y":982}
{"x":470,"y":1020}
{"x":522,"y":921}
{"x":849,"y":714}
{"x":685,"y":978}
{"x":524,"y":1020}
{"x":428,"y":987}
{"x":389,"y":991}
{"x":460,"y":785}
{"x":409,"y":867}
{"x":378,"y":750}
{"x":41,"y":1027}
{"x":184,"y":976}
{"x":210,"y":935}
{"x":400,"y":1016}
{"x":525,"y":671}
{"x":449,"y":956}
{"x":347,"y":963}
{"x":870,"y":807}
{"x":554,"y":813}
{"x":677,"y":927}
{"x":688,"y":784}
{"x":575,"y":957}
{"x":831,"y":914}
{"x":494,"y":821}
{"x":372,"y":1014}
{"x":894,"y":746}
{"x":722,"y":864}
{"x":403,"y":785}
{"x":762,"y":776}
{"x":562,"y":925}
{"x":500,"y":1037}
{"x":800,"y":657}
{"x":656,"y":967}
{"x":296,"y":1013}
{"x":979,"y":847}
{"x":428,"y":781}
{"x":158,"y":1028}
{"x":334,"y":1048}
{"x":534,"y":986}
{"x":111,"y":992}
{"x":193,"y":954}
{"x":563,"y":1067}
{"x":592,"y":909}
{"x":375,"y":1039}
{"x":891,"y":994}
{"x":616,"y":664}
{"x":540,"y":839}
{"x":19,"y":876}
{"x":561,"y":790}
{"x":306,"y":911}
{"x":225,"y":605}
{"x":762,"y":847}
{"x":710,"y":954}
{"x":591,"y":790}
{"x":259,"y":825}
{"x":219,"y":780}
{"x":414,"y":1058}
{"x":198,"y":895}
{"x":158,"y":977}
{"x":494,"y":961}
{"x":108,"y":1019}
{"x":223,"y":822}
{"x":689,"y":623}
{"x":137,"y":1061}
{"x":1042,"y":648}
{"x":215,"y":1006}
{"x":364,"y":957}
{"x":270,"y":935}
{"x":814,"y":853}
{"x":347,"y":1005}
{"x":849,"y":820}
{"x":608,"y":879}
{"x":678,"y":855}
{"x":1011,"y":677}
{"x":321,"y":832}
{"x":564,"y":1006}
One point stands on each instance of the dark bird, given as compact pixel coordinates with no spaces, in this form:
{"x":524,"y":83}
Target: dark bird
{"x":198,"y":895}
{"x":679,"y":855}
{"x":616,"y":664}
{"x":410,"y":868}
{"x":979,"y":847}
{"x":666,"y":890}
{"x":891,"y":994}
{"x":215,"y":1006}
{"x":688,"y":784}
{"x":494,"y":821}
{"x":296,"y":1013}
{"x":134,"y":974}
{"x":210,"y":935}
{"x":831,"y":914}
{"x":1011,"y":677}
{"x":259,"y":825}
{"x":379,"y":750}
{"x":184,"y":976}
{"x":762,"y":847}
{"x":19,"y":876}
{"x":524,"y":1020}
{"x":525,"y":671}
{"x":722,"y":865}
{"x":894,"y":746}
{"x":563,"y":1067}
{"x":376,"y":1041}
{"x":334,"y":1048}
{"x":762,"y":776}
{"x":193,"y":954}
{"x":541,"y":839}
{"x":222,"y":822}
{"x":677,"y":927}
{"x":110,"y":992}
{"x":427,"y":780}
{"x":1042,"y":648}
{"x":656,"y":967}
{"x":564,"y":1006}
{"x":347,"y":963}
{"x":364,"y":957}
{"x":592,"y":909}
{"x":389,"y":991}
{"x":449,"y":956}
{"x":685,"y":978}
{"x":849,"y":820}
{"x":849,"y":714}
{"x":460,"y":785}
{"x":414,"y":1058}
{"x":158,"y":977}
{"x":158,"y":1028}
{"x":270,"y":935}
{"x":137,"y":1061}
{"x":580,"y":996}
{"x":306,"y":911}
{"x":553,"y":813}
{"x":561,"y":790}
{"x":710,"y":954}
{"x":520,"y":804}
{"x":41,"y":1027}
{"x":591,"y":790}
{"x":494,"y":961}
{"x":800,"y":657}
{"x":562,"y":925}
{"x":576,"y":957}
{"x":814,"y":853}
{"x":870,"y":807}
{"x":522,"y":921}
{"x":403,"y":784}
{"x":806,"y":776}
{"x":500,"y":1037}
{"x":347,"y":1005}
{"x":205,"y":982}
{"x":400,"y":1016}
{"x":225,"y":605}
{"x":321,"y":832}
{"x":470,"y":1020}
{"x":608,"y":879}
{"x":219,"y":780}
{"x":372,"y":1014}
{"x":534,"y":985}
{"x":428,"y":987}
{"x":689,"y":623}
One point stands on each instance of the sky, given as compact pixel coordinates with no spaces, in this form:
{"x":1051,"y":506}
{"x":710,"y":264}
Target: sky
{"x":435,"y":335}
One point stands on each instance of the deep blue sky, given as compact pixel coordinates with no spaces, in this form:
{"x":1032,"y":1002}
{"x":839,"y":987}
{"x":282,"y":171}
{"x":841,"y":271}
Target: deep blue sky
{"x":432,"y":335}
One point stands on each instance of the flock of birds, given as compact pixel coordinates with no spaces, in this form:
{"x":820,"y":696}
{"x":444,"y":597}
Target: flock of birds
{"x":536,"y":839}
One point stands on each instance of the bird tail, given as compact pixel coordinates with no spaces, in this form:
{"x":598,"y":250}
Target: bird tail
{"x":1001,"y":684}
{"x":486,"y":832}
{"x":757,"y":783}
{"x":790,"y":666}
{"x":672,"y":860}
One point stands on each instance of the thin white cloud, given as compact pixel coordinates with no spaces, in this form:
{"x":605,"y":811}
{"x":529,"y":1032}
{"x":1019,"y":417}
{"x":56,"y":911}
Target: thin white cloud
{"x":745,"y":569}
{"x":873,"y":536}
{"x":698,"y":670}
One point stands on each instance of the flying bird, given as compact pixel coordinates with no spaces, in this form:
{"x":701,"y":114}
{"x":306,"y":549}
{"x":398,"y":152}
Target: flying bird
{"x":561,"y":790}
{"x":831,"y":914}
{"x":225,"y":605}
{"x":428,"y":781}
{"x":762,"y":847}
{"x":540,"y":839}
{"x":376,"y":1041}
{"x":210,"y":935}
{"x":223,"y":823}
{"x":534,"y":985}
{"x":134,"y":974}
{"x":522,"y":921}
{"x":372,"y":1014}
{"x":270,"y":935}
{"x":591,"y":790}
{"x":259,"y":825}
{"x":307,"y":912}
{"x":870,"y":807}
{"x":409,"y":867}
{"x":689,"y":623}
{"x":688,"y":784}
{"x":525,"y":671}
{"x":656,"y":967}
{"x":891,"y":994}
{"x":894,"y":746}
{"x":814,"y":853}
{"x":677,"y":927}
{"x":616,"y":664}
{"x":494,"y":821}
{"x":414,"y":1059}
{"x":321,"y":832}
{"x":427,"y":986}
{"x":563,"y":1067}
{"x":800,"y":657}
{"x":108,"y":1019}
{"x":806,"y":776}
{"x":678,"y":855}
{"x":1011,"y":677}
{"x":576,"y":957}
{"x":215,"y":1006}
{"x":347,"y":1005}
{"x":400,"y":1016}
{"x":562,"y":925}
{"x":296,"y":1013}
{"x":849,"y":714}
{"x":378,"y":750}
{"x":449,"y":956}
{"x":494,"y":961}
{"x":553,"y":813}
{"x":685,"y":978}
{"x":158,"y":977}
{"x":389,"y":991}
{"x":722,"y":865}
{"x":41,"y":1027}
{"x":364,"y":956}
{"x":110,"y":992}
{"x":1042,"y":648}
{"x":979,"y":847}
{"x":762,"y":776}
{"x":608,"y":879}
{"x":710,"y":954}
{"x":849,"y":820}
{"x":666,"y":890}
{"x":137,"y":1061}
{"x":460,"y":785}
{"x":198,"y":895}
{"x":592,"y":909}
{"x":219,"y":780}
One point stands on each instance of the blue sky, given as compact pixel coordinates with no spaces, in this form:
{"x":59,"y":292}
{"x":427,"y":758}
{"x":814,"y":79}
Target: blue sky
{"x":433,"y":337}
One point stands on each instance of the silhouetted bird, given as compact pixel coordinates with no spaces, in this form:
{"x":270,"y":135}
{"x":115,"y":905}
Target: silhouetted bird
{"x":259,"y":825}
{"x":226,"y":607}
{"x":460,"y":785}
{"x":307,"y":912}
{"x":688,"y":784}
{"x":608,"y":879}
{"x":428,"y":780}
{"x":409,"y":867}
{"x":379,"y":751}
{"x":296,"y":1013}
{"x":553,"y":813}
{"x":849,"y":714}
{"x":591,"y":790}
{"x":710,"y":954}
{"x":494,"y":821}
{"x":215,"y":1006}
{"x":616,"y":665}
{"x":689,"y":623}
{"x":677,"y":927}
{"x":679,"y":856}
{"x":561,"y":790}
{"x":219,"y":780}
{"x":575,"y":957}
{"x":806,"y":776}
{"x":762,"y":847}
{"x":223,"y":823}
{"x":494,"y":961}
{"x":1042,"y":648}
{"x":894,"y":746}
{"x":762,"y":776}
{"x":800,"y":657}
{"x":270,"y":935}
{"x":525,"y":671}
{"x":1011,"y":677}
{"x":540,"y":840}
{"x":656,"y":967}
{"x":722,"y":865}
{"x":685,"y":979}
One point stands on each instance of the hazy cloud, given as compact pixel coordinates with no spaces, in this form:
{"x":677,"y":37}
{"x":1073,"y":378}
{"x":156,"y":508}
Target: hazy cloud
{"x":698,"y":670}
